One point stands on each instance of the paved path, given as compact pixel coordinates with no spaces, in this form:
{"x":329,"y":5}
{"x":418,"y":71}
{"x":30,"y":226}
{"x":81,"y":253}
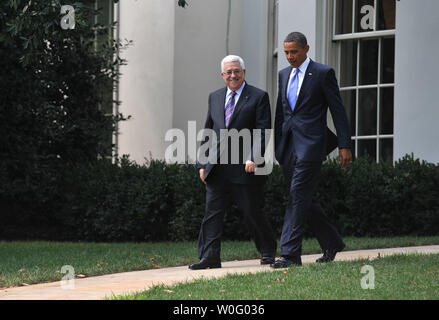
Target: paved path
{"x":94,"y":288}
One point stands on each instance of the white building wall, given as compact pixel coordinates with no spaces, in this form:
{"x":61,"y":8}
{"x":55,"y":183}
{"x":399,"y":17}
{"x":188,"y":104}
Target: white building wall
{"x":146,"y":84}
{"x":254,"y":41}
{"x":297,"y":15}
{"x":200,"y":45}
{"x":175,"y":63}
{"x":416,"y":80}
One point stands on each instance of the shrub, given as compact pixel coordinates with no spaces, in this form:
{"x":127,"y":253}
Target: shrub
{"x":55,"y":88}
{"x":101,"y":201}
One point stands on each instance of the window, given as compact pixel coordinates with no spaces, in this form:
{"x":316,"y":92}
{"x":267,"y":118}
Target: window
{"x":365,"y":34}
{"x":103,"y":21}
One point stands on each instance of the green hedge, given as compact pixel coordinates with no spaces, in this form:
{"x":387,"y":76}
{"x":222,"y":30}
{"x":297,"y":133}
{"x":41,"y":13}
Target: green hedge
{"x":160,"y":202}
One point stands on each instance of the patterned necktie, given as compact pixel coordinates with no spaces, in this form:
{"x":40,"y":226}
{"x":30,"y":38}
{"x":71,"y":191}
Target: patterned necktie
{"x":229,"y":108}
{"x":292,"y":90}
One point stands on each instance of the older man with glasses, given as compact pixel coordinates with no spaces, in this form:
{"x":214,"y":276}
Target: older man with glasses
{"x":238,"y":106}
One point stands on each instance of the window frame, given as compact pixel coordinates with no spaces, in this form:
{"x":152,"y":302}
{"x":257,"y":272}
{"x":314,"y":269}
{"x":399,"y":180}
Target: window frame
{"x":359,"y":37}
{"x":113,"y":16}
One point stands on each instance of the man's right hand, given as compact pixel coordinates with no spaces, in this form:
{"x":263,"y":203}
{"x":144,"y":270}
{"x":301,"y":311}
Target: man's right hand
{"x":202,"y":175}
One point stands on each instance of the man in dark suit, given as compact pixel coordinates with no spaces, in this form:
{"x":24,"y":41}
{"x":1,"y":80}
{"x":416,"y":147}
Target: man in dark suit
{"x":306,"y":90}
{"x":242,"y":107}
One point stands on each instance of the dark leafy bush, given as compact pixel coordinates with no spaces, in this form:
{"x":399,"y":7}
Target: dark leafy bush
{"x":122,"y":202}
{"x":55,"y":88}
{"x":189,"y":198}
{"x":385,"y":200}
{"x":125,"y":201}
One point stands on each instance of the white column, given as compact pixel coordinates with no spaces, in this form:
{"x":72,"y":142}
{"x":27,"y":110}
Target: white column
{"x":416,"y":126}
{"x":146,"y":84}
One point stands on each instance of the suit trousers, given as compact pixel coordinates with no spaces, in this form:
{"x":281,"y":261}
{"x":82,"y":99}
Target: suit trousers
{"x":302,"y":178}
{"x":250,"y":200}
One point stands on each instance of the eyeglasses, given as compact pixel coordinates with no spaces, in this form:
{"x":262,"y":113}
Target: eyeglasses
{"x":230,"y":72}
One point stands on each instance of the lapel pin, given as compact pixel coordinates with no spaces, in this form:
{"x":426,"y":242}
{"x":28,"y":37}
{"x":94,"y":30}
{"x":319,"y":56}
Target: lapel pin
{"x":310,"y":74}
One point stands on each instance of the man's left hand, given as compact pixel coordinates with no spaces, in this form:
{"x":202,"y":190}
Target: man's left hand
{"x":345,"y":157}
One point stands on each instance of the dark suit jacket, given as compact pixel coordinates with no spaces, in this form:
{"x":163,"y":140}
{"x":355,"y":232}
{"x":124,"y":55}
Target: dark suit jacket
{"x":252,"y":111}
{"x":303,"y":132}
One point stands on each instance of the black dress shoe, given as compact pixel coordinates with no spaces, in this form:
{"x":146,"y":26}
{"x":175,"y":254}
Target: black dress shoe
{"x":329,"y":255}
{"x":206,"y":263}
{"x":267,"y":260}
{"x":285,"y":262}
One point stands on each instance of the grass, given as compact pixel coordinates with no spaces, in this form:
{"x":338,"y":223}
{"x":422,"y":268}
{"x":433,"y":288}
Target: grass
{"x":36,"y":262}
{"x":408,"y":277}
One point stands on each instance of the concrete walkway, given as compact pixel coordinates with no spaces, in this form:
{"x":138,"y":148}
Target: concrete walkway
{"x":94,"y":288}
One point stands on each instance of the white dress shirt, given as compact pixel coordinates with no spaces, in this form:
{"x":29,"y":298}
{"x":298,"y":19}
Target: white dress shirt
{"x":238,"y":94}
{"x":302,"y":68}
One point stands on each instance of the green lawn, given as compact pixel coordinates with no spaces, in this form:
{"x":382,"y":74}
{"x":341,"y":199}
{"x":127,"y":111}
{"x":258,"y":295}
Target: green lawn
{"x":36,"y":262}
{"x":395,"y":277}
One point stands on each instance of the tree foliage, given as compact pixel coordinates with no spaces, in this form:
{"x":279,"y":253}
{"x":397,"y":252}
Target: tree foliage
{"x":56,"y":100}
{"x":55,"y":93}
